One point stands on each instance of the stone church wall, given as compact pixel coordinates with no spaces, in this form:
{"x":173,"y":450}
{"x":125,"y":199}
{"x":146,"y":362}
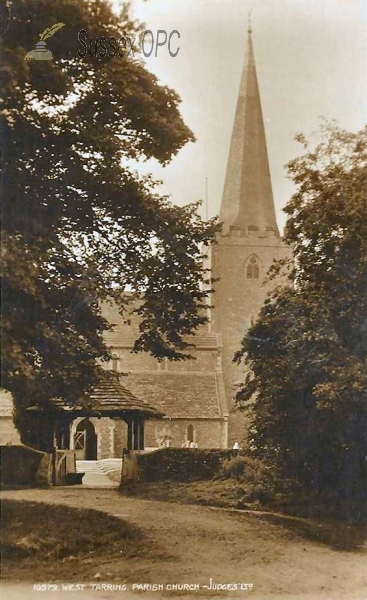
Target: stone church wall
{"x":113,"y":438}
{"x":125,"y":361}
{"x":237,"y":302}
{"x":206,"y":433}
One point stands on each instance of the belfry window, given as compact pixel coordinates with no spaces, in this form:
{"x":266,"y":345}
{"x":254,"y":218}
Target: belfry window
{"x":253,"y":270}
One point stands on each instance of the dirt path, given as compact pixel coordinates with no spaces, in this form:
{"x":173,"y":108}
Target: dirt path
{"x":196,"y":545}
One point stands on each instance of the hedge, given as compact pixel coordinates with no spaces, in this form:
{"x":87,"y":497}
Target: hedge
{"x":181,"y":464}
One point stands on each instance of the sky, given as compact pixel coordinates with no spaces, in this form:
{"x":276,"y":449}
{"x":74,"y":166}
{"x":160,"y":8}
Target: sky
{"x":311,"y":59}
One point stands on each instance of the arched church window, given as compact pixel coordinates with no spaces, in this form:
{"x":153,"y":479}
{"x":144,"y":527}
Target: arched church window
{"x":190,"y":433}
{"x":253,"y":270}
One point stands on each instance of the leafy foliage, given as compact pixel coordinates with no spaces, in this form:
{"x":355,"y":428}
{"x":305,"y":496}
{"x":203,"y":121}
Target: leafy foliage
{"x":80,"y":225}
{"x":306,"y":355}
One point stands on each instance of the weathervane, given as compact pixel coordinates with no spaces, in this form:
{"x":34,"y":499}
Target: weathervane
{"x":249,"y":21}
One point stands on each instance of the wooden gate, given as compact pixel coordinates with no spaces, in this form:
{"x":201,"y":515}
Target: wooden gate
{"x":64,"y":466}
{"x":80,"y":439}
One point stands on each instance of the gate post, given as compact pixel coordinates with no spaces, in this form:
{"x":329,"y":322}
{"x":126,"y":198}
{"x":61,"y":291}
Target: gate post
{"x":54,"y":465}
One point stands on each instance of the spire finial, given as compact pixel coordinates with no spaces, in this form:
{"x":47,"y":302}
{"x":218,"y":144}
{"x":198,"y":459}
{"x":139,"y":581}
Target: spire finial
{"x":249,"y":30}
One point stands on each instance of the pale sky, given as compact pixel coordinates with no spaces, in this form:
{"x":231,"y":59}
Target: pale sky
{"x":311,"y":58}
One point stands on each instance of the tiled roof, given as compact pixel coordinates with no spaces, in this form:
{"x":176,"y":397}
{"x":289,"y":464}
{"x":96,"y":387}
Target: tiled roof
{"x":111,"y":394}
{"x":178,"y":395}
{"x":110,"y":397}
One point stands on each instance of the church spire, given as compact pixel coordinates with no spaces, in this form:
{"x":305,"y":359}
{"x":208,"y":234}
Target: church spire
{"x":247,"y":203}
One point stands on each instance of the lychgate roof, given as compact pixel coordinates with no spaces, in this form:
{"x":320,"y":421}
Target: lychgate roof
{"x":111,"y":394}
{"x":108,"y":398}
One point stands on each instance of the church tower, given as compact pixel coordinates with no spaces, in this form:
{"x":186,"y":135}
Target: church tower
{"x":250,"y":239}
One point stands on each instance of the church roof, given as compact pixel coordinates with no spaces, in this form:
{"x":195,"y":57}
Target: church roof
{"x":247,"y":202}
{"x":181,"y":395}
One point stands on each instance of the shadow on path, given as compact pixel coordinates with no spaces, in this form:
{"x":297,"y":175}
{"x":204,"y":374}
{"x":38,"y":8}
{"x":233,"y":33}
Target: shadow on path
{"x":337,"y":534}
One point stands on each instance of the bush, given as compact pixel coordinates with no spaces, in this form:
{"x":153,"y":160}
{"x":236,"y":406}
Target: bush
{"x":257,"y":478}
{"x":233,"y":468}
{"x":263,"y":483}
{"x":243,"y":467}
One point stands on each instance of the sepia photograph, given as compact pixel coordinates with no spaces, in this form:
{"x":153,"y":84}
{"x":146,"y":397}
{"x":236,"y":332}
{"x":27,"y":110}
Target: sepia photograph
{"x":183,"y":400}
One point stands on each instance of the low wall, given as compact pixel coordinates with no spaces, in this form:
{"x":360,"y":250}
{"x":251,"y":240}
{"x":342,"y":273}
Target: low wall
{"x":181,"y":464}
{"x":25,"y":466}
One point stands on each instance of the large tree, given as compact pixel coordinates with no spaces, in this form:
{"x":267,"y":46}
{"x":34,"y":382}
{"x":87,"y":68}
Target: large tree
{"x":79,"y":224}
{"x":306,"y":355}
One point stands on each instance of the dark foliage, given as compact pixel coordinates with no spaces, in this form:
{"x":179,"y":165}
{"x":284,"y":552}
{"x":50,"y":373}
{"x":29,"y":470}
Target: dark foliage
{"x":79,"y":224}
{"x":306,"y":390}
{"x":181,"y":464}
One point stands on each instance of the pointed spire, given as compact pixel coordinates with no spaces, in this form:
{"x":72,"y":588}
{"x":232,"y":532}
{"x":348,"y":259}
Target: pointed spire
{"x":247,"y":203}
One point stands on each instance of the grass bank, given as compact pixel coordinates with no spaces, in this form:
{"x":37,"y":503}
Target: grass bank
{"x":238,"y":494}
{"x":311,"y":524}
{"x":35,"y":534}
{"x":225,"y":493}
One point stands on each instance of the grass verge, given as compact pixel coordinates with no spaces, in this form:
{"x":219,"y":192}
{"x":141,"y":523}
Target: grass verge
{"x":230,"y":493}
{"x":225,"y":493}
{"x":36,"y":533}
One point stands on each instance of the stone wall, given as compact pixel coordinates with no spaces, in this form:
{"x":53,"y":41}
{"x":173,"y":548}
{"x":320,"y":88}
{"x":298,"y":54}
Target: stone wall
{"x":8,"y":432}
{"x":9,"y":435}
{"x":105,"y":437}
{"x":111,"y":436}
{"x":238,"y":300}
{"x":207,"y":433}
{"x":205,"y":360}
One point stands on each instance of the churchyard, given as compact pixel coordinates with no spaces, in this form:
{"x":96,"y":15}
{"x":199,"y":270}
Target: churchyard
{"x":161,"y":543}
